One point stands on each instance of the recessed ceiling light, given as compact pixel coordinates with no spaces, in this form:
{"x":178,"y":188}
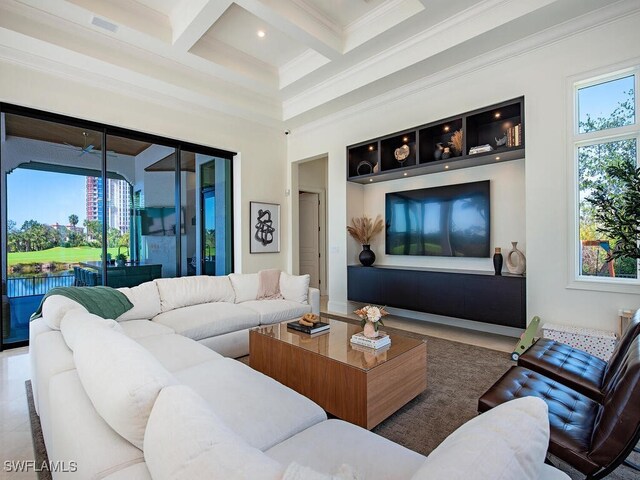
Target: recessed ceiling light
{"x":446,"y":128}
{"x":405,"y":139}
{"x":497,"y":115}
{"x":446,"y":166}
{"x":261,"y":33}
{"x":371,"y":148}
{"x":497,"y":158}
{"x":405,"y":174}
{"x":371,"y":179}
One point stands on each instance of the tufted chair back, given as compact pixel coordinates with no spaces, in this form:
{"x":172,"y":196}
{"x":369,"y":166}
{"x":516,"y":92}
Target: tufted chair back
{"x":617,"y":424}
{"x":618,"y":355}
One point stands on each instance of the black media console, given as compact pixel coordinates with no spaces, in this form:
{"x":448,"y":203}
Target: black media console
{"x":472,"y":295}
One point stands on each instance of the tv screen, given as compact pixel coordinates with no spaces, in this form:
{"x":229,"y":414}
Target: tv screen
{"x":450,"y":221}
{"x":159,"y":220}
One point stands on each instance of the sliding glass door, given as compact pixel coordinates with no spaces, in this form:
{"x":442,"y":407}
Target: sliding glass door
{"x":53,"y":220}
{"x":86,"y":204}
{"x":206,"y":200}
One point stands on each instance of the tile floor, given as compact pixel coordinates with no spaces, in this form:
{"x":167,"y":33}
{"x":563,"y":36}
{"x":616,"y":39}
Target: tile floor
{"x":15,"y":431}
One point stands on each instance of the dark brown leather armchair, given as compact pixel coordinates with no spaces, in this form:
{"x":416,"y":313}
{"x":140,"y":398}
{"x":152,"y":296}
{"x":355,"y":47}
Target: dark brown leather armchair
{"x":593,"y":437}
{"x":574,"y":368}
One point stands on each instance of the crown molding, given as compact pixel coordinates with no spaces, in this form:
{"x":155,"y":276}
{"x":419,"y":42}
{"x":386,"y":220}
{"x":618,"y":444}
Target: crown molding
{"x":318,"y":15}
{"x":51,"y":59}
{"x":359,"y":74}
{"x":547,"y":37}
{"x":382,"y":18}
{"x":300,"y":66}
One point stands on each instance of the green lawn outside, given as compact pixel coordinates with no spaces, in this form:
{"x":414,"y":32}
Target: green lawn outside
{"x":59,"y":254}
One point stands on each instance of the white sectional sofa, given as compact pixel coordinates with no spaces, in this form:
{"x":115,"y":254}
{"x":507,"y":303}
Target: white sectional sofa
{"x":132,"y":399}
{"x":215,"y":311}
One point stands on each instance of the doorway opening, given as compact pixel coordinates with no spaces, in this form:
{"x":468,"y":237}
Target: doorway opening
{"x":312,"y":229}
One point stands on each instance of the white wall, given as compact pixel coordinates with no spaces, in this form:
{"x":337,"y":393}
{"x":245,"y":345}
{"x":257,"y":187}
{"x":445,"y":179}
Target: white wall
{"x":259,"y":167}
{"x":541,"y":75}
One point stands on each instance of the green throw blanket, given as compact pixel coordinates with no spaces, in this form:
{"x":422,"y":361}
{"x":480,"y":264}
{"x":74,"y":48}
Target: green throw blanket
{"x":105,"y":302}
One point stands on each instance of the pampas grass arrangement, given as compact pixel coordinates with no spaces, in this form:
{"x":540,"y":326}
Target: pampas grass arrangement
{"x":456,"y":142}
{"x":363,"y":229}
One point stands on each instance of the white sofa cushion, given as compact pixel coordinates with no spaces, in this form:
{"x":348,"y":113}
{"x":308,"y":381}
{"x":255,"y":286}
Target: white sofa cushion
{"x":145,"y":299}
{"x":176,"y":352}
{"x":55,"y":308}
{"x":328,"y":445}
{"x":187,"y":291}
{"x":121,"y":378}
{"x":186,"y":440}
{"x":509,"y":441}
{"x":138,"y":329}
{"x":296,"y":471}
{"x":138,"y":471}
{"x":245,"y":286}
{"x":276,"y":311}
{"x":259,"y":409}
{"x":208,"y":319}
{"x":75,"y":321}
{"x":79,"y":434}
{"x":295,"y":287}
{"x":53,"y":357}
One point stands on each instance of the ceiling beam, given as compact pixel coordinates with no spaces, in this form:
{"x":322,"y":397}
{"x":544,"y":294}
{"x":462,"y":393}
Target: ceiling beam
{"x":294,"y":21}
{"x":191,"y":19}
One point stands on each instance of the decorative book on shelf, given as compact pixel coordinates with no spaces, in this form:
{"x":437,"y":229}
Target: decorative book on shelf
{"x":318,"y":327}
{"x":380,"y":341}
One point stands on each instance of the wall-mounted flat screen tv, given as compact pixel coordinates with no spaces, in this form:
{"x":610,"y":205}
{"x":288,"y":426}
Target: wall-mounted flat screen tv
{"x":449,"y":221}
{"x":159,"y":220}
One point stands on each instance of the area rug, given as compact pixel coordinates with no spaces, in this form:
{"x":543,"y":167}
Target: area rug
{"x":39,"y":450}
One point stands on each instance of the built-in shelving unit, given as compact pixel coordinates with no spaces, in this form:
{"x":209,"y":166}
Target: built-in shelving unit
{"x":421,"y":150}
{"x":471,"y":295}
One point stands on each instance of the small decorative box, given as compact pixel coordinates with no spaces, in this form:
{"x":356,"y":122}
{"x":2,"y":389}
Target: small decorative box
{"x":599,"y":343}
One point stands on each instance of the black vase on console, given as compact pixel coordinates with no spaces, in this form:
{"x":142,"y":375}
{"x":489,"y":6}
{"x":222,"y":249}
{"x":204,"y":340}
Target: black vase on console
{"x":497,"y":261}
{"x":367,"y":257}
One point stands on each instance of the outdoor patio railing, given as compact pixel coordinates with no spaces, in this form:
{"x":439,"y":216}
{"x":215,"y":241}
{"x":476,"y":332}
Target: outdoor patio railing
{"x":26,"y":286}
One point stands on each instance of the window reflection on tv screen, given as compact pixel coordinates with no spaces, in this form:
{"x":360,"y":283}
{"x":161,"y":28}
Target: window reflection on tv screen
{"x":449,"y":221}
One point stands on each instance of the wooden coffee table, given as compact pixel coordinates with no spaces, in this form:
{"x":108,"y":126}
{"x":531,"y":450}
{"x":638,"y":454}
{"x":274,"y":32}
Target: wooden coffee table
{"x":357,"y":384}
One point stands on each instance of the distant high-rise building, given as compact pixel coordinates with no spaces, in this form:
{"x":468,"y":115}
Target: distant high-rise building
{"x":117,"y":198}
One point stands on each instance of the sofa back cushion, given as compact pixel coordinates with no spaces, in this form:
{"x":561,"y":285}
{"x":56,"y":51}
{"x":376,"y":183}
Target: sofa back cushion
{"x":185,"y":439}
{"x":121,"y":378}
{"x":76,"y":321}
{"x":509,"y":441}
{"x":245,"y":286}
{"x":295,"y":287}
{"x":55,"y":308}
{"x":145,"y":299}
{"x":187,"y":291}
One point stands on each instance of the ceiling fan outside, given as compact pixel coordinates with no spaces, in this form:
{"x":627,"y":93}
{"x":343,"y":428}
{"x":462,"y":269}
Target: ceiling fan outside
{"x":88,"y":147}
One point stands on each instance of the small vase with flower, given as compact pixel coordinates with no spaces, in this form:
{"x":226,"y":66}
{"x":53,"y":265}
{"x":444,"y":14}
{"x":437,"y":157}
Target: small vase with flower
{"x":371,"y":319}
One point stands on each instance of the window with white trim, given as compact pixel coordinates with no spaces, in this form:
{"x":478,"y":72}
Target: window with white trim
{"x":605,"y":133}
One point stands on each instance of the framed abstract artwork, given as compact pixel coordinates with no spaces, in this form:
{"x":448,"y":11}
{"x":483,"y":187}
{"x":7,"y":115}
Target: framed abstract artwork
{"x":265,"y":227}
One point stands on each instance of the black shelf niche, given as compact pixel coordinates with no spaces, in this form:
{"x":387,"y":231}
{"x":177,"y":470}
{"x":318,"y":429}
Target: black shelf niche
{"x":395,"y":145}
{"x":490,"y":125}
{"x":439,"y":135}
{"x":479,"y":127}
{"x":363,"y":159}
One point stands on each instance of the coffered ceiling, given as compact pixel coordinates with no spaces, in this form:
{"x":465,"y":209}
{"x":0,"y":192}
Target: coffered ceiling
{"x":313,"y":57}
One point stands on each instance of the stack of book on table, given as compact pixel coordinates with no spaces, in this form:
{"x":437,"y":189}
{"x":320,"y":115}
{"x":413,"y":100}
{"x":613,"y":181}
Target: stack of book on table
{"x":380,"y":341}
{"x":317,"y":327}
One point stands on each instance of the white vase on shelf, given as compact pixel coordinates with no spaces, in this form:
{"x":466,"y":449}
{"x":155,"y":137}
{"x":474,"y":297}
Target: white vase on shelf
{"x":516,"y":261}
